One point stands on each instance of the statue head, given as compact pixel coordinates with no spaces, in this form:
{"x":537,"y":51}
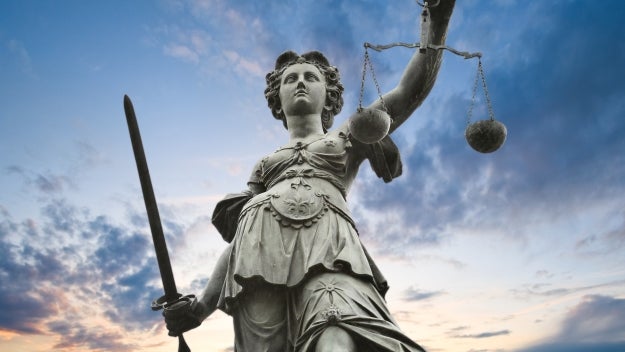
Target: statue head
{"x":334,"y":88}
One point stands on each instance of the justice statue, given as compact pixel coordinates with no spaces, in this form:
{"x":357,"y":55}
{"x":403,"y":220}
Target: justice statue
{"x":295,"y":276}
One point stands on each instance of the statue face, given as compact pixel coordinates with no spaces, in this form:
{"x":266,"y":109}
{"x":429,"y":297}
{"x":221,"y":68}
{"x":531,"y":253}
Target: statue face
{"x":302,"y":90}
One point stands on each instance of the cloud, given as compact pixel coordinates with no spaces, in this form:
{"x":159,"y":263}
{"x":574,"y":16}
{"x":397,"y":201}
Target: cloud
{"x":597,"y":323}
{"x":607,"y":242}
{"x":244,"y":66}
{"x":596,"y":319}
{"x":182,"y":52}
{"x":246,"y":37}
{"x":22,"y":308}
{"x":88,"y":155}
{"x":565,"y":114}
{"x":538,"y":289}
{"x":20,"y":54}
{"x":79,"y":277}
{"x":578,"y":347}
{"x":80,"y":337}
{"x":414,"y":294}
{"x":218,"y":37}
{"x":561,"y":109}
{"x":44,"y":183}
{"x":67,"y":267}
{"x":48,"y":183}
{"x":483,"y":335}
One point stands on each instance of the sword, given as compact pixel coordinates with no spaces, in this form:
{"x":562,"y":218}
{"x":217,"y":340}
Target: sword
{"x":171,"y":298}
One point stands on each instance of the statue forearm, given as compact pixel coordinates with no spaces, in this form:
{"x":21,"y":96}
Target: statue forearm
{"x":210,"y":296}
{"x":420,"y":74}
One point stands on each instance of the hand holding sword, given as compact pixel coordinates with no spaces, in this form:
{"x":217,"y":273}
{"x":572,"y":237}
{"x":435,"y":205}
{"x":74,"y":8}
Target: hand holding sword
{"x":180,"y":312}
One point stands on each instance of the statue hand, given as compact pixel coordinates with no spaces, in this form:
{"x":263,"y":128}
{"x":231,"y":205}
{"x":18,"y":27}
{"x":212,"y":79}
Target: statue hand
{"x":442,"y":11}
{"x":183,"y":315}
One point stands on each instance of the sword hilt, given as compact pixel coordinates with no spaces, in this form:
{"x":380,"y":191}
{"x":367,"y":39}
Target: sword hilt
{"x":165,"y":302}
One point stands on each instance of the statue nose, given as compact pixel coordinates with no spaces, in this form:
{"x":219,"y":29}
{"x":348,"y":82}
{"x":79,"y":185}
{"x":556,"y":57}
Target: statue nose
{"x":300,"y":84}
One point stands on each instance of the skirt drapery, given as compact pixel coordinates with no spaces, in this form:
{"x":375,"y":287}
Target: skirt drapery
{"x":286,"y":284}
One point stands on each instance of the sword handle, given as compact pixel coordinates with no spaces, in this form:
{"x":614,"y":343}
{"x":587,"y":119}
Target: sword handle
{"x":182,"y":344}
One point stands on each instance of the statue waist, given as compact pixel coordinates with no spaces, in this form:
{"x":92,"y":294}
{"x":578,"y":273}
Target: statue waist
{"x":301,"y":200}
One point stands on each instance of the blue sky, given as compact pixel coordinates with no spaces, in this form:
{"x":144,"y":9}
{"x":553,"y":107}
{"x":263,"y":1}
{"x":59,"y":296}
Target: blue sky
{"x":519,"y":250}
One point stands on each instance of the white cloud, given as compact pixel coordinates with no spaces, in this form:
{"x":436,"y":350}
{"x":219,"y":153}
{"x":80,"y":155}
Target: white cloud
{"x":21,"y":55}
{"x":183,"y":52}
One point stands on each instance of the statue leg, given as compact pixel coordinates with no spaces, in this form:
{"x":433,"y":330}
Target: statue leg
{"x":335,"y":339}
{"x":260,"y":320}
{"x":335,"y":311}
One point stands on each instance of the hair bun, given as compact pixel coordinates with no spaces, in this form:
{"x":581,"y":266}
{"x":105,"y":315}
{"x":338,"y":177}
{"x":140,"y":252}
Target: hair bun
{"x":289,"y":57}
{"x":316,"y":56}
{"x":285,"y":58}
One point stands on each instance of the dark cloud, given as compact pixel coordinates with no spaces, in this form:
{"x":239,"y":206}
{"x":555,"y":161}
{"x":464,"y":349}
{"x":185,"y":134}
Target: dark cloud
{"x":413,"y":294}
{"x":61,"y":216}
{"x":80,"y":337}
{"x":596,"y":319}
{"x":45,"y":183}
{"x":127,"y":267}
{"x":423,"y":202}
{"x":617,"y":236}
{"x":545,"y":290}
{"x":578,"y":347}
{"x":484,"y":335}
{"x":53,"y":184}
{"x":543,"y":274}
{"x":565,"y":111}
{"x":50,"y":268}
{"x":50,"y":183}
{"x":136,"y":292}
{"x":88,"y":155}
{"x":117,"y":250}
{"x":600,"y":244}
{"x":597,"y":323}
{"x":560,"y":101}
{"x":457,"y":328}
{"x":21,"y":268}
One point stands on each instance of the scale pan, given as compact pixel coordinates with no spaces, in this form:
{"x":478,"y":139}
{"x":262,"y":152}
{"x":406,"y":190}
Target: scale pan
{"x":486,"y":136}
{"x":369,"y":125}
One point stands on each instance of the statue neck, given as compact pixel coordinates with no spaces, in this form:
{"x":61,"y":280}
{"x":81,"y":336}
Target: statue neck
{"x":304,"y":126}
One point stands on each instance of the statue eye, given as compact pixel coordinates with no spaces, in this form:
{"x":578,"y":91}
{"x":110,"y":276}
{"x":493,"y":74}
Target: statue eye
{"x":290,"y":78}
{"x":312,"y":77}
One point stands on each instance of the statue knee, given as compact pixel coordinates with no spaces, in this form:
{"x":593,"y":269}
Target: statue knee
{"x":335,"y":339}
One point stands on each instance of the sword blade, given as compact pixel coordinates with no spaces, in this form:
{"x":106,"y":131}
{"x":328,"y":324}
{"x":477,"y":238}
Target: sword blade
{"x":160,"y":246}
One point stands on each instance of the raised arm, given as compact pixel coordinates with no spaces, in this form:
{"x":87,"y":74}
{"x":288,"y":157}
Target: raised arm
{"x":419,"y":76}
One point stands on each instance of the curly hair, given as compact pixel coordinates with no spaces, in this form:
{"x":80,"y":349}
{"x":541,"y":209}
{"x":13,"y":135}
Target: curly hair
{"x":334,"y":87}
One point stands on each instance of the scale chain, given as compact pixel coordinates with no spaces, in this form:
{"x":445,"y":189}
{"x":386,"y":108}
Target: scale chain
{"x":491,"y":114}
{"x":473,"y":94}
{"x":362,"y":81}
{"x":479,"y":75}
{"x":367,"y":61}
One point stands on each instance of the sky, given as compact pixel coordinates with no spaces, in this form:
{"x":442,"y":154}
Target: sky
{"x":518,"y":250}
